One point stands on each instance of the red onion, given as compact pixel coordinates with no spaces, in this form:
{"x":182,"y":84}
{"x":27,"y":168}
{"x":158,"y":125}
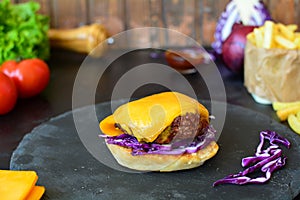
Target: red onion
{"x":248,"y":13}
{"x":233,"y":47}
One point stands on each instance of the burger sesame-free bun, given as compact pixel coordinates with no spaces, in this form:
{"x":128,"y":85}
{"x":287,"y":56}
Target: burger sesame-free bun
{"x":162,"y":162}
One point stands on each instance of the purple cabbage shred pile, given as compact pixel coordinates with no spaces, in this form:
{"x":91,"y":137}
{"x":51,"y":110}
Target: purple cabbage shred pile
{"x":139,"y":148}
{"x":267,"y":159}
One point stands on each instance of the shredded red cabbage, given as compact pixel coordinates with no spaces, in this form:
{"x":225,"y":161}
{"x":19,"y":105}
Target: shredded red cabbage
{"x":256,"y":16}
{"x":129,"y":141}
{"x":266,"y":160}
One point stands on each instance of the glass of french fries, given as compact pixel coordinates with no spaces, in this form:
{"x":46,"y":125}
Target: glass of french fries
{"x":271,"y":65}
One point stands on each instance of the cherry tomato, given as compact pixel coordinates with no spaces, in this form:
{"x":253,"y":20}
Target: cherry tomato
{"x":8,"y":94}
{"x":31,"y":76}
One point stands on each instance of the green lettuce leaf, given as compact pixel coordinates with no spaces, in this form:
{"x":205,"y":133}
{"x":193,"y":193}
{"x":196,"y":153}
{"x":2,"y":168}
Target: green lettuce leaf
{"x":23,"y":31}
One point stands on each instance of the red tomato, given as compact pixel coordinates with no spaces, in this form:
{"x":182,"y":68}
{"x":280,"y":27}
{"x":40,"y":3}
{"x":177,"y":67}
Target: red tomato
{"x":31,"y":76}
{"x":9,"y":67}
{"x":8,"y":94}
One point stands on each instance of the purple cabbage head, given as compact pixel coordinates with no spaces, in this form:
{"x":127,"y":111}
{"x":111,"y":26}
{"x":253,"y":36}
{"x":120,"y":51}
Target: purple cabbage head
{"x":252,"y":13}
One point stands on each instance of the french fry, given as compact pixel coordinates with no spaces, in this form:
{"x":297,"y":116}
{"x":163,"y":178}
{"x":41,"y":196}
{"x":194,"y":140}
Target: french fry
{"x":294,"y":123}
{"x":268,"y":34}
{"x":282,"y":105}
{"x":287,"y":33}
{"x":297,"y":34}
{"x":285,"y":42}
{"x":251,"y":38}
{"x":297,"y":42}
{"x":284,"y":113}
{"x":258,"y":37}
{"x":292,"y":27}
{"x":262,"y":29}
{"x":275,"y":35}
{"x":298,"y":115}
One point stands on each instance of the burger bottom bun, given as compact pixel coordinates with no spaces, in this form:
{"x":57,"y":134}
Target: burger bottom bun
{"x":162,"y":163}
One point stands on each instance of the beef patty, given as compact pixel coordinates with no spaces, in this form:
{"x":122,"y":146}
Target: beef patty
{"x":183,"y":127}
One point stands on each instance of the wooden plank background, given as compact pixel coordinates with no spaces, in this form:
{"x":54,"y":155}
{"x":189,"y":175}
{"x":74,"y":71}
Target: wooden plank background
{"x":195,"y":18}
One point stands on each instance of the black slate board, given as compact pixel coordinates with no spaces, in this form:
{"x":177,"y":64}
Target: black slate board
{"x":69,"y":171}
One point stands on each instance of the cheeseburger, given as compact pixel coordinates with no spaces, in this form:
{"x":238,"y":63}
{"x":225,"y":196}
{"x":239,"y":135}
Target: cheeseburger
{"x":163,"y":132}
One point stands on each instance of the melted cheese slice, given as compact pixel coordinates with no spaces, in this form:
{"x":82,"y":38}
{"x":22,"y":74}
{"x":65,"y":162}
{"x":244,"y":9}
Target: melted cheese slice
{"x":36,"y":193}
{"x":147,"y":117}
{"x":16,"y":185}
